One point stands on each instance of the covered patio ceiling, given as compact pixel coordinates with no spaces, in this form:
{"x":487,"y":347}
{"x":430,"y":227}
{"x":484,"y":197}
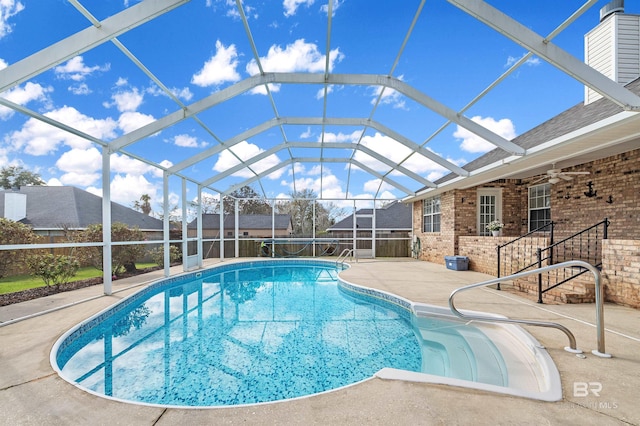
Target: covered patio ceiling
{"x":269,"y":122}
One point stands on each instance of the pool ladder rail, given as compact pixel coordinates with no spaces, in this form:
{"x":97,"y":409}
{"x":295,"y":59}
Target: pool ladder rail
{"x":343,"y":256}
{"x":572,"y":340}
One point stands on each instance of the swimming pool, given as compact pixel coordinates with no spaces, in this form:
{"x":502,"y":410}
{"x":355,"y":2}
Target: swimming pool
{"x":264,"y":331}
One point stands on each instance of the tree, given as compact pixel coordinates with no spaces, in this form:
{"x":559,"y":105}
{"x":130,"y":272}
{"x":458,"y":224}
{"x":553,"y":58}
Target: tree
{"x":123,"y":257}
{"x":301,"y":209}
{"x":16,"y":176}
{"x":12,"y":232}
{"x":249,"y":202}
{"x":143,"y":204}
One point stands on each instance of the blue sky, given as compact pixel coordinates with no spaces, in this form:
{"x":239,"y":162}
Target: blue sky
{"x":202,"y":47}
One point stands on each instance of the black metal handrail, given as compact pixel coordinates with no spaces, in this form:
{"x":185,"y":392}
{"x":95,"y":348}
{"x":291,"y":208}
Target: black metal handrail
{"x":517,"y":245}
{"x":585,"y":245}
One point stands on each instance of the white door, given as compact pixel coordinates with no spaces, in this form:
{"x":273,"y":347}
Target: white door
{"x":489,"y":208}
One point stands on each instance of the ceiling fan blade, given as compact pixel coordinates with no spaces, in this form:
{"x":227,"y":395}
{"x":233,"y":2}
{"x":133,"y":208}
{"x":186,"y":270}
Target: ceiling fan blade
{"x":565,"y":177}
{"x":575,"y":173}
{"x":540,"y":179}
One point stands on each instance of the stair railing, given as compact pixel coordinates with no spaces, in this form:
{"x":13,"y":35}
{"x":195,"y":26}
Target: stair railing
{"x":572,"y":340}
{"x":521,"y":247}
{"x":585,"y":245}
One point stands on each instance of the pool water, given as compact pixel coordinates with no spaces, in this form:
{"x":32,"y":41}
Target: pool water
{"x":244,"y":335}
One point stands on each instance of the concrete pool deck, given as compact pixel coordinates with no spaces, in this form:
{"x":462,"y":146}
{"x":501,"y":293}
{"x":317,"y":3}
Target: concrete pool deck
{"x":32,"y":393}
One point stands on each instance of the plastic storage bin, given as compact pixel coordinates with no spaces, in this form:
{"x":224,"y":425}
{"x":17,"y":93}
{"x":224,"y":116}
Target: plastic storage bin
{"x":457,"y":263}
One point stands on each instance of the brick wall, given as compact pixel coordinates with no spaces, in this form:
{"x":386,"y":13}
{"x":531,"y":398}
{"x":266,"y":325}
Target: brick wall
{"x":621,"y":271}
{"x":617,"y":176}
{"x":616,"y":183}
{"x":483,"y":255}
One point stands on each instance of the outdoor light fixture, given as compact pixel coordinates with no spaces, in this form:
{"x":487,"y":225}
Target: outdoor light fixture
{"x":554,"y":180}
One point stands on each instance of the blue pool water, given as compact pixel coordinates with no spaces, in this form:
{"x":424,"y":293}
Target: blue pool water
{"x":240,"y":334}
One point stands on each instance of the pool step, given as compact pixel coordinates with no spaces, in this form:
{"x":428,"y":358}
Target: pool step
{"x":459,"y":352}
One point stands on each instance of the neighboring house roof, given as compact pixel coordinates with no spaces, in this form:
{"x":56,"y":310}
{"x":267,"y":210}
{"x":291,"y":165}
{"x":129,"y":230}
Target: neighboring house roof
{"x":54,"y":207}
{"x":394,"y":216}
{"x":245,"y":221}
{"x":578,"y":117}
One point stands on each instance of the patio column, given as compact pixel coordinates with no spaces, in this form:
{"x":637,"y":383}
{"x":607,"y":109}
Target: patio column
{"x":221,"y":226}
{"x":185,"y":242}
{"x":107,"y":273}
{"x":165,"y":222}
{"x":237,"y":228}
{"x":199,"y":228}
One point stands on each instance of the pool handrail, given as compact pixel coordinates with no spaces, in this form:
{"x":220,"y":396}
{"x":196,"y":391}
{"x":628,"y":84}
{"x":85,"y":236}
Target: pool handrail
{"x":343,"y":256}
{"x":572,"y":341}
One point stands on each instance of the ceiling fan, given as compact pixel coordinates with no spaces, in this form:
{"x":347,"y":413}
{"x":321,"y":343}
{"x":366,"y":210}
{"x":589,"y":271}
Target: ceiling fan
{"x":555,"y":175}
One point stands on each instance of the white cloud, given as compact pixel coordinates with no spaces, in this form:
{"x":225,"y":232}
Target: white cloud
{"x":54,"y":182}
{"x":80,"y":167}
{"x":127,"y":189}
{"x":389,"y":96}
{"x":38,"y":138}
{"x":80,"y":160}
{"x":533,"y":61}
{"x":306,"y":134}
{"x":291,"y":6}
{"x":184,"y":93}
{"x":80,"y":89}
{"x":320,"y":92}
{"x":246,"y":151}
{"x":128,"y":100}
{"x":474,"y":143}
{"x":3,"y":64}
{"x":342,"y":137}
{"x":76,"y":70}
{"x":335,"y":6}
{"x":8,"y":9}
{"x":22,"y":95}
{"x":374,"y":186}
{"x":188,"y":141}
{"x":299,"y":56}
{"x":130,"y":121}
{"x":219,"y":69}
{"x":396,"y":152}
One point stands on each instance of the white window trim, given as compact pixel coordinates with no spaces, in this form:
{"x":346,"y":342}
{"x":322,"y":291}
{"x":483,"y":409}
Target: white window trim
{"x":431,"y":215}
{"x":529,"y":203}
{"x":497,"y":192}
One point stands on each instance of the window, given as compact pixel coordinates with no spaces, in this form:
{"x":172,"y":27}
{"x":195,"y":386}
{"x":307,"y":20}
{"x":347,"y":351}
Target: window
{"x":539,"y":206}
{"x":431,"y":215}
{"x":489,"y":208}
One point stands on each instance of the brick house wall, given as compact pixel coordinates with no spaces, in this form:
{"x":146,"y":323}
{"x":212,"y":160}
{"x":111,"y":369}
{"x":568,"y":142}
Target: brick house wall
{"x":616,"y":183}
{"x":621,"y":272}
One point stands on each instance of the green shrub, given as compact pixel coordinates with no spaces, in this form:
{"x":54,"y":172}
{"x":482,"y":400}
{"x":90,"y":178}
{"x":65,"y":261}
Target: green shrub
{"x":53,"y":269}
{"x":11,"y":233}
{"x":157,"y":255}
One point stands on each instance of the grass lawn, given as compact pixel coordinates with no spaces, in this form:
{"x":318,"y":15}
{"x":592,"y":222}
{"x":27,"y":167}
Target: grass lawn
{"x":24,"y":282}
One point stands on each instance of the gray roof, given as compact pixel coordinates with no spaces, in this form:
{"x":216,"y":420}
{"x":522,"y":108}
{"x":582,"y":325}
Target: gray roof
{"x":245,"y":221}
{"x":394,"y":216}
{"x":52,"y":207}
{"x":576,"y":117}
